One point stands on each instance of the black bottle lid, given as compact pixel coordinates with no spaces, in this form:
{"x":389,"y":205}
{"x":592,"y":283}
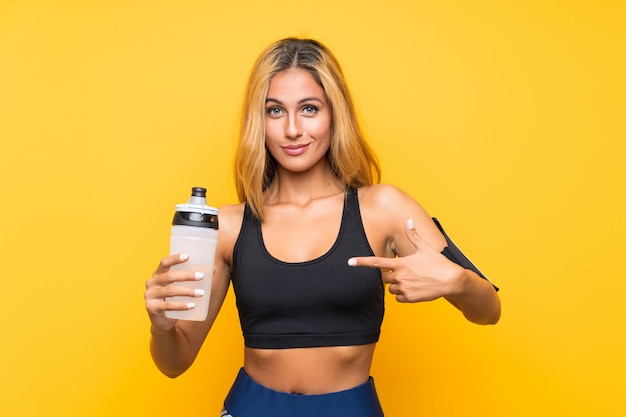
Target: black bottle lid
{"x":196,"y":212}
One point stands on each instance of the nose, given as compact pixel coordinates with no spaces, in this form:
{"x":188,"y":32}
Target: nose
{"x":294,"y":127}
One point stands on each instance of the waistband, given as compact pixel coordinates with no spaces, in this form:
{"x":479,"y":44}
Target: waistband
{"x":248,"y":398}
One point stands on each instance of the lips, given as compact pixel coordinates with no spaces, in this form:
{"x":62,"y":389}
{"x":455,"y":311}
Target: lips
{"x":295,"y":150}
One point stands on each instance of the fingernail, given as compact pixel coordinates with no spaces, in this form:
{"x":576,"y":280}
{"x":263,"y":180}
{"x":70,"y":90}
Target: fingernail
{"x":183,"y":257}
{"x":190,"y":305}
{"x":352,"y":262}
{"x":409,"y":224}
{"x":198,"y":275}
{"x":198,"y":292}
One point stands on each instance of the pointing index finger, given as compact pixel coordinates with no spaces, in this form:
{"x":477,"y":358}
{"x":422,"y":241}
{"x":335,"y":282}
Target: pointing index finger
{"x":372,"y":262}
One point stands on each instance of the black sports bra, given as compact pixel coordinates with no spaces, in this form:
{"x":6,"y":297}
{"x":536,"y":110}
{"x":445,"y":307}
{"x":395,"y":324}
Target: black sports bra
{"x":321,"y":302}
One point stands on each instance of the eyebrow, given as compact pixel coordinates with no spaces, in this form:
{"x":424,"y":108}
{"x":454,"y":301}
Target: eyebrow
{"x":304,"y":100}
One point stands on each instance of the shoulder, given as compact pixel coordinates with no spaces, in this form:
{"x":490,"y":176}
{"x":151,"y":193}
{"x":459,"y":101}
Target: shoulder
{"x":230,"y":210}
{"x":380,"y":193}
{"x":230,"y":218}
{"x":387,"y":198}
{"x":389,"y":207}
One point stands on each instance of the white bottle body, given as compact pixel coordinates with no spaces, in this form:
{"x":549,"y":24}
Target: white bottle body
{"x":200,"y":244}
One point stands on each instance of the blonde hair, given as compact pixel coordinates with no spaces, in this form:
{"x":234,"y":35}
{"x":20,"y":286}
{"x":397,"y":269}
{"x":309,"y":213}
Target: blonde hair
{"x":350,"y":157}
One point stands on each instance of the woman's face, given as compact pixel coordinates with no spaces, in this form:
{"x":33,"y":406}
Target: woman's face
{"x":297,"y":121}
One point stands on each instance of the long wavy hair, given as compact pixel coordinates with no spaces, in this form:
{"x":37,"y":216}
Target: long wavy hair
{"x":350,"y":157}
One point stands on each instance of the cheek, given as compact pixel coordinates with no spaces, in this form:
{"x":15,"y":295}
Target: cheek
{"x":271,"y":130}
{"x":321,"y":129}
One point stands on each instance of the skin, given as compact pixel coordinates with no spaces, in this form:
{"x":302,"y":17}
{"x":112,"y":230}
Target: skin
{"x":406,"y":242}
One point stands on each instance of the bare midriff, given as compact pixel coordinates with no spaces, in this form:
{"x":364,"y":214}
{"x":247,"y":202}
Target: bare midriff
{"x":308,"y":371}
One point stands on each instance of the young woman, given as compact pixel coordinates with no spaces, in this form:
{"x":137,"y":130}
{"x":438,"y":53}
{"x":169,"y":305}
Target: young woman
{"x":309,"y":250}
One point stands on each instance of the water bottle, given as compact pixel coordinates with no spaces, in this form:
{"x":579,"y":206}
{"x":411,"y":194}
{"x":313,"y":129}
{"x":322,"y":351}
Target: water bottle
{"x":194,"y":232}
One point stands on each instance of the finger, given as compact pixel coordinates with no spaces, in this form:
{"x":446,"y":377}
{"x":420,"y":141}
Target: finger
{"x":396,"y":290}
{"x":411,"y":233}
{"x":169,"y":261}
{"x":159,"y":306}
{"x":180,"y":291}
{"x":178,"y":305}
{"x":184,"y":276}
{"x":158,"y":295}
{"x":390,"y":277}
{"x":401,"y":298}
{"x":393,"y":289}
{"x":159,"y":299}
{"x":172,"y":276}
{"x":373,"y":262}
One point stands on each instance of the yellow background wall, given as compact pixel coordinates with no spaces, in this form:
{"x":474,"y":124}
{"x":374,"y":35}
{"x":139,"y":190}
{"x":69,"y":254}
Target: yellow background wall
{"x":506,"y":120}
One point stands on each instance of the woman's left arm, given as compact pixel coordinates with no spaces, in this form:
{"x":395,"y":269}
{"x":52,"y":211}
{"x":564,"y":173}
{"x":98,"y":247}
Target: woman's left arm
{"x":420,"y":272}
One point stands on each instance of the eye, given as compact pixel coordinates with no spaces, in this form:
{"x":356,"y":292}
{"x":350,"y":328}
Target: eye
{"x":309,"y":109}
{"x":274,"y":111}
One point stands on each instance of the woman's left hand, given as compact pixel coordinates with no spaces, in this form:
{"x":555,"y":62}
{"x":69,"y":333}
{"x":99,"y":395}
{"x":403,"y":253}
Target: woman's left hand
{"x":423,"y":276}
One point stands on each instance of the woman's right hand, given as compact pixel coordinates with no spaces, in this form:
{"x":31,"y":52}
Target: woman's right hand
{"x":158,"y":288}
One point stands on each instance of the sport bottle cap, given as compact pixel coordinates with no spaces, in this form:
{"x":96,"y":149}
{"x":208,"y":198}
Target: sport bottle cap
{"x":196,"y":212}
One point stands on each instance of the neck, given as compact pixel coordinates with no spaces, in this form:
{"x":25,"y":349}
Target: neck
{"x":302,"y":187}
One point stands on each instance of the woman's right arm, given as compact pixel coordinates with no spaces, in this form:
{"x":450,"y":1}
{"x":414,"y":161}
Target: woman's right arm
{"x":174,"y":344}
